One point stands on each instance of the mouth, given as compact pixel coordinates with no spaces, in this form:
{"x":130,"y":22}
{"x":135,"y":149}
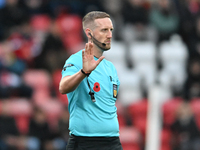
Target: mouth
{"x":108,"y":42}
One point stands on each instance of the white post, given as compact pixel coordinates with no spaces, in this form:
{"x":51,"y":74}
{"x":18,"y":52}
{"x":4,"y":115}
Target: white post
{"x":154,"y":118}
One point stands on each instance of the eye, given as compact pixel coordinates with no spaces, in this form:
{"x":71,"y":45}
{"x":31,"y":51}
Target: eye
{"x":106,"y":30}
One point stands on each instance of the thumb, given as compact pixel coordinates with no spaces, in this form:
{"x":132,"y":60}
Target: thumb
{"x":100,"y":59}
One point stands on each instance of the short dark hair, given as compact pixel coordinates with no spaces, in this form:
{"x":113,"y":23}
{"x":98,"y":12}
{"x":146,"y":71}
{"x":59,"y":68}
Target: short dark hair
{"x":91,"y":16}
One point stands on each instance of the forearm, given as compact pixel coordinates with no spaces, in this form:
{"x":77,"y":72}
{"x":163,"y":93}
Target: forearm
{"x":70,"y":83}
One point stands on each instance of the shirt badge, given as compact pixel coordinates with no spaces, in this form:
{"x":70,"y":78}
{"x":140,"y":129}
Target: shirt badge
{"x":114,"y":90}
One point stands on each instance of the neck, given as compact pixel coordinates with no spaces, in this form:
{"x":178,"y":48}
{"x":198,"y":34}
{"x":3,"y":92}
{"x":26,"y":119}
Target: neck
{"x":97,"y":51}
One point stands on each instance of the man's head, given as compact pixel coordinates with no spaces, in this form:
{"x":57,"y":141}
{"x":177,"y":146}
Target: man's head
{"x":98,"y":28}
{"x":89,"y":19}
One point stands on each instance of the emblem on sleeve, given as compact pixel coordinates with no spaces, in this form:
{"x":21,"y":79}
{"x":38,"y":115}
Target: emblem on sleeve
{"x":67,"y":65}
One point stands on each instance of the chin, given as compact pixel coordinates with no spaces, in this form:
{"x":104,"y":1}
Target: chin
{"x":106,"y":48}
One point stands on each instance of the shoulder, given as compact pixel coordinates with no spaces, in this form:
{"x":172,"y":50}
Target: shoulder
{"x":77,"y":55}
{"x":72,"y":64}
{"x":74,"y":60}
{"x":109,"y":64}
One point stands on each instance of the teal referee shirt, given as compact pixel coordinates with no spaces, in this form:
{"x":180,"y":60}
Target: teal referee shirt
{"x":89,"y":118}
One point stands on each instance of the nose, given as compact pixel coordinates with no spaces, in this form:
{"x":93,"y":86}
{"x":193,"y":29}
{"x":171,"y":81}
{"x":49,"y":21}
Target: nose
{"x":109,"y":34}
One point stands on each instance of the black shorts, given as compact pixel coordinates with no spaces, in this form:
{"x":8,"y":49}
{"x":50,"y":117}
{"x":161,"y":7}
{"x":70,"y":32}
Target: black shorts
{"x":93,"y":143}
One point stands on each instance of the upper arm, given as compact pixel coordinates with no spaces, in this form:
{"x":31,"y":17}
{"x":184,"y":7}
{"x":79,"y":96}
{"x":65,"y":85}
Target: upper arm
{"x":72,"y":66}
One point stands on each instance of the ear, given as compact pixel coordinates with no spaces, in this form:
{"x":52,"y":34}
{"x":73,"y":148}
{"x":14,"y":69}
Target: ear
{"x":88,"y":33}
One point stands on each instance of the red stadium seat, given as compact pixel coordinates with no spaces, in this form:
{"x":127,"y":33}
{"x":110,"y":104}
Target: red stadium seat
{"x":40,"y":22}
{"x":138,"y":109}
{"x":73,"y":42}
{"x":130,"y":138}
{"x":37,"y":78}
{"x":22,"y":48}
{"x":169,"y":109}
{"x":56,"y":80}
{"x":130,"y":147}
{"x":21,"y":110}
{"x":165,"y":147}
{"x":165,"y":139}
{"x":141,"y":124}
{"x":120,"y":114}
{"x":53,"y":109}
{"x":138,"y":114}
{"x":69,"y":24}
{"x":40,"y":81}
{"x":195,"y":105}
{"x":70,"y":27}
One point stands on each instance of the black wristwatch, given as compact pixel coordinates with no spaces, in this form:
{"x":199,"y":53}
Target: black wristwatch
{"x":87,"y":74}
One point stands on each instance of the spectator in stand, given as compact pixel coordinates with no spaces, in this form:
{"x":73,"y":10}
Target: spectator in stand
{"x":53,"y":48}
{"x":136,"y":25}
{"x":2,"y":4}
{"x":11,"y":69}
{"x":114,"y":8}
{"x":185,"y":131}
{"x":91,"y":5}
{"x":11,"y":16}
{"x":194,"y":41}
{"x":40,"y":134}
{"x":9,"y":133}
{"x":63,"y":125}
{"x":135,"y":16}
{"x":164,"y":18}
{"x":192,"y":87}
{"x":35,"y":7}
{"x":39,"y":128}
{"x":187,"y":10}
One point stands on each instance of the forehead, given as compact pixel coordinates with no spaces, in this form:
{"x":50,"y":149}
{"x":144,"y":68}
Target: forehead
{"x":103,"y":23}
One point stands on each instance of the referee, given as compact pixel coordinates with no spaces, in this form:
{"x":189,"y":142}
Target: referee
{"x":91,"y":84}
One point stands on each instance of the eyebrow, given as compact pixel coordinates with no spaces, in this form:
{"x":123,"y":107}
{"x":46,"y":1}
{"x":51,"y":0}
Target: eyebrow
{"x":108,"y":28}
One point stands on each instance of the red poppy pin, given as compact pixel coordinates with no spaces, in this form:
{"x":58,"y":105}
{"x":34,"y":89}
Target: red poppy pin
{"x":96,"y":87}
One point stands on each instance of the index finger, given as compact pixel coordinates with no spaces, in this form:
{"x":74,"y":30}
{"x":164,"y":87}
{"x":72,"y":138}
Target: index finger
{"x":90,"y":48}
{"x":86,"y":48}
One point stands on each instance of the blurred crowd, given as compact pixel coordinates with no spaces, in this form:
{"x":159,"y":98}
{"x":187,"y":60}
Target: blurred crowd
{"x":37,"y":36}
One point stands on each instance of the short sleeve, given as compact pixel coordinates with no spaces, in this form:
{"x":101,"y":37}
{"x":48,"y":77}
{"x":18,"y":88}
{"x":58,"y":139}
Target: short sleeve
{"x":72,"y":66}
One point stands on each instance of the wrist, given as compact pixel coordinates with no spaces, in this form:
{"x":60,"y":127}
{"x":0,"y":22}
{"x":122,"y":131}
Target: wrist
{"x":85,"y":73}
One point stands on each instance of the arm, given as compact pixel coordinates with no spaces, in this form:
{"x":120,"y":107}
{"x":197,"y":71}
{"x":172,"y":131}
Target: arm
{"x":70,"y":83}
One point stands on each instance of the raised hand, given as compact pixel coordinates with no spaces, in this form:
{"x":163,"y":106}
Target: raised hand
{"x":89,"y":64}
